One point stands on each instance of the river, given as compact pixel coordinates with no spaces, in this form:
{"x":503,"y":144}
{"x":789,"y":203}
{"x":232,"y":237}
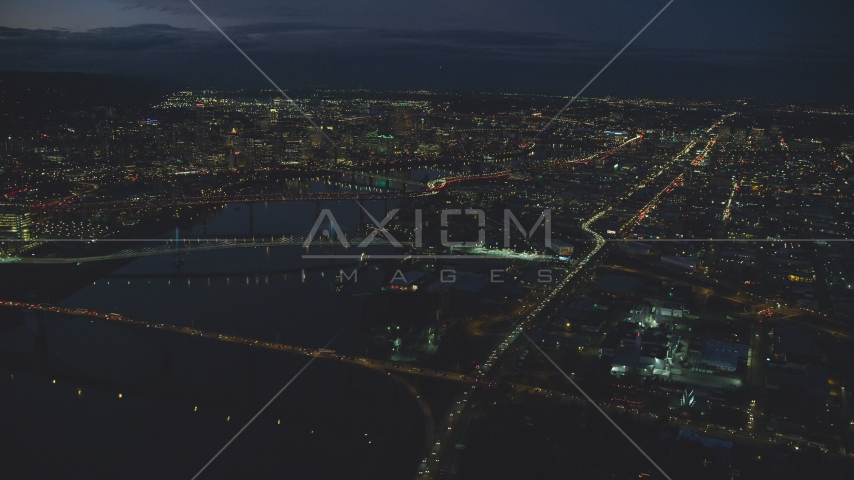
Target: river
{"x":95,"y":399}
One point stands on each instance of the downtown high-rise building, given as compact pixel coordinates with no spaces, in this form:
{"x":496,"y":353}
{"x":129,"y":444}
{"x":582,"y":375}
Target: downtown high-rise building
{"x":402,"y":119}
{"x":15,"y":223}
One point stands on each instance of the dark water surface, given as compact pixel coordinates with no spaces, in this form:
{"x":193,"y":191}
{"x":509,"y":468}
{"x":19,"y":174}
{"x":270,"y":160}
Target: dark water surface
{"x":183,"y":397}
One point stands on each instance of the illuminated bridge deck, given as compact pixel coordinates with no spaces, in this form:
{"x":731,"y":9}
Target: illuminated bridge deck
{"x":379,"y":365}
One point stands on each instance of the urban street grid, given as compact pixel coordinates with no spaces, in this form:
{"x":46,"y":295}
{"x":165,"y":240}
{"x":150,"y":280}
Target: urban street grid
{"x":672,"y":246}
{"x":449,"y":256}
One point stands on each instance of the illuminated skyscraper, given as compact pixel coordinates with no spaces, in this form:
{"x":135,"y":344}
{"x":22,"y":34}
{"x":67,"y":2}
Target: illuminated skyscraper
{"x":15,"y":223}
{"x":402,"y":119}
{"x":200,"y":133}
{"x":774,"y":131}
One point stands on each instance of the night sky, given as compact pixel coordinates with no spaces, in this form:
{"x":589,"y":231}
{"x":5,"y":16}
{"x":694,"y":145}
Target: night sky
{"x":770,"y":49}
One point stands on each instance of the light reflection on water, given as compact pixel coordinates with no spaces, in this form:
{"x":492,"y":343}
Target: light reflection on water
{"x":252,"y":292}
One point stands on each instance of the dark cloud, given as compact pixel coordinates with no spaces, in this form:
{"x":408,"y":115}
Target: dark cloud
{"x":284,"y":27}
{"x":113,"y":38}
{"x":726,"y":49}
{"x":474,"y":38}
{"x":256,"y":10}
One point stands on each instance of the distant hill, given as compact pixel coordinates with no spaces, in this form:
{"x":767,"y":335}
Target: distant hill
{"x":30,"y":100}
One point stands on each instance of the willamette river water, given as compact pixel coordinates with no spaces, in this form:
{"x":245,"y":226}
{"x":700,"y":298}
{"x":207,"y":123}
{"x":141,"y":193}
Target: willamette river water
{"x":183,"y":397}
